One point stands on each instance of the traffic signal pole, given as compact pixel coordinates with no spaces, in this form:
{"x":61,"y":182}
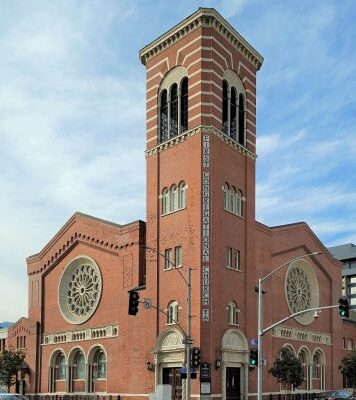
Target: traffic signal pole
{"x":259,"y":342}
{"x":260,"y":331}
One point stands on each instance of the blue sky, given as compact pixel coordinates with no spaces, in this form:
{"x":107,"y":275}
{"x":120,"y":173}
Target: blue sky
{"x":72,"y":109}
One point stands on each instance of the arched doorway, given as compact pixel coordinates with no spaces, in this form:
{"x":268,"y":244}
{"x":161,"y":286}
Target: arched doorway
{"x":234,"y":383}
{"x":169,"y":357}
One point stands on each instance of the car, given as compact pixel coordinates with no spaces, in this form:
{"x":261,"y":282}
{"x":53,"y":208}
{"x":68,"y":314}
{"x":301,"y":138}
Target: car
{"x":335,"y":395}
{"x":12,"y":396}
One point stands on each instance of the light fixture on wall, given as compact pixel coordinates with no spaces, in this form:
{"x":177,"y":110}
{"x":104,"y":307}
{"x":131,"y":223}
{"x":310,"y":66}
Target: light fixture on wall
{"x":217,"y":363}
{"x":150,"y":366}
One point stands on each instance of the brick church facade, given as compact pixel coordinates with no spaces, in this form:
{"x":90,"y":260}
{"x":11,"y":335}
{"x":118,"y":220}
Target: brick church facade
{"x":201,"y":158}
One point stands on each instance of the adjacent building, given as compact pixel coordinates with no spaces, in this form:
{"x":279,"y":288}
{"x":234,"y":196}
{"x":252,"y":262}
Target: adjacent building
{"x":201,"y":158}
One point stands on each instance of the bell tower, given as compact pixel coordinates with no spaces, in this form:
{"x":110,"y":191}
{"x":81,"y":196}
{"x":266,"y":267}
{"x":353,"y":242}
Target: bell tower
{"x":201,"y":152}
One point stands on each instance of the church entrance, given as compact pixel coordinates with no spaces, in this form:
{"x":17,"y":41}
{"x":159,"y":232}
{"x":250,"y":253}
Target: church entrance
{"x":233,"y":383}
{"x":171,"y":376}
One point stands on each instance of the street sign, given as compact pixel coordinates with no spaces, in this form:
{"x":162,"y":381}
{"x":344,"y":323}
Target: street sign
{"x":254,"y":342}
{"x":147,"y":303}
{"x":183,"y":370}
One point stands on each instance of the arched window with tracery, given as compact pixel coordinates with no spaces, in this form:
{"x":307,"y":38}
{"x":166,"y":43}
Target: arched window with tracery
{"x":233,"y":313}
{"x":233,"y":107}
{"x":184,"y":105}
{"x":225,"y":108}
{"x":242,"y":118}
{"x":181,"y":195}
{"x":173,"y":104}
{"x":233,"y":113}
{"x":163,"y":116}
{"x":174,"y":110}
{"x":172,"y":313}
{"x":165,"y":201}
{"x":79,"y":366}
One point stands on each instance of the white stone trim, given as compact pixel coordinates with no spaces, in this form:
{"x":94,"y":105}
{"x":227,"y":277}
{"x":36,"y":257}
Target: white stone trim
{"x":287,"y":332}
{"x":73,"y":336}
{"x":159,"y":63}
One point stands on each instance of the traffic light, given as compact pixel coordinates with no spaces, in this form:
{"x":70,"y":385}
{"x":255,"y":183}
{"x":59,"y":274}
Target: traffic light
{"x":253,"y":358}
{"x":344,"y":308}
{"x":133,"y":302}
{"x":195,"y":357}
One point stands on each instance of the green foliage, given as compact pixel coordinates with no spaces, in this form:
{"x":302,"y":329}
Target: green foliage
{"x":287,"y":369}
{"x":10,"y":362}
{"x":348,"y":369}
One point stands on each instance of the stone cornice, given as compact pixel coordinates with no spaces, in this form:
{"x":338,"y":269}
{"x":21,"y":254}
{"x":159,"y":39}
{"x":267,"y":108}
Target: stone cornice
{"x":203,"y":17}
{"x":199,"y":130}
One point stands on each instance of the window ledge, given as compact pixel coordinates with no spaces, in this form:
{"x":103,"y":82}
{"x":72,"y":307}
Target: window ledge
{"x":172,"y":323}
{"x":233,"y":269}
{"x":236,"y":215}
{"x":173,"y":268}
{"x":230,"y":323}
{"x":172,"y":212}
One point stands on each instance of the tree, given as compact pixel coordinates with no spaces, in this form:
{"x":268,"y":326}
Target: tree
{"x":10,"y":363}
{"x":287,"y":369}
{"x":348,"y":369}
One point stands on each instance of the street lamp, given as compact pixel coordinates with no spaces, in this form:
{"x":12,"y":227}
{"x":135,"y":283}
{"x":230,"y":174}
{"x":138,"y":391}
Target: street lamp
{"x":188,"y":341}
{"x":260,"y":320}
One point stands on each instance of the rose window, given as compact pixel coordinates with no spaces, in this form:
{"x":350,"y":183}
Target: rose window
{"x":302,"y":290}
{"x":80,"y":290}
{"x":83,"y":290}
{"x":298,"y":290}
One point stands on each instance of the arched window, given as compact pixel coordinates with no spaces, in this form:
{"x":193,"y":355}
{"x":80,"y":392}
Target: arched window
{"x":315,"y":366}
{"x":163,"y":116}
{"x":165,"y":201}
{"x":174,"y":110}
{"x":226,"y":196}
{"x":233,"y":200}
{"x":239,"y":203}
{"x":60,"y":367}
{"x":233,"y":113}
{"x":79,"y":366}
{"x":225,"y":108}
{"x":173,"y":198}
{"x":233,"y":314}
{"x":101,"y":364}
{"x":181,"y":195}
{"x":241,"y":119}
{"x":184,"y":105}
{"x":172,"y":313}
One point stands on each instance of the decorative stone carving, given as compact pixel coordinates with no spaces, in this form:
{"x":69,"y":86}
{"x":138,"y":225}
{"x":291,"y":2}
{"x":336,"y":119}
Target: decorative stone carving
{"x":302,"y":290}
{"x":172,"y":341}
{"x":79,"y":290}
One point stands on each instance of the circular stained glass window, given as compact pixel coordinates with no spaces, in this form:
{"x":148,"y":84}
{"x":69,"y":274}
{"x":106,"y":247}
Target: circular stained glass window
{"x":79,"y":290}
{"x":302,"y":290}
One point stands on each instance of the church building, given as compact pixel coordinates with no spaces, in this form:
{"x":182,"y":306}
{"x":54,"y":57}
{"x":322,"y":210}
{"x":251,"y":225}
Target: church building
{"x":200,"y":224}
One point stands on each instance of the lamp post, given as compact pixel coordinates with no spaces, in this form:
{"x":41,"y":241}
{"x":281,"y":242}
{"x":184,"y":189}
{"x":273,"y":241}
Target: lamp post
{"x":260,"y":321}
{"x":188,"y":341}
